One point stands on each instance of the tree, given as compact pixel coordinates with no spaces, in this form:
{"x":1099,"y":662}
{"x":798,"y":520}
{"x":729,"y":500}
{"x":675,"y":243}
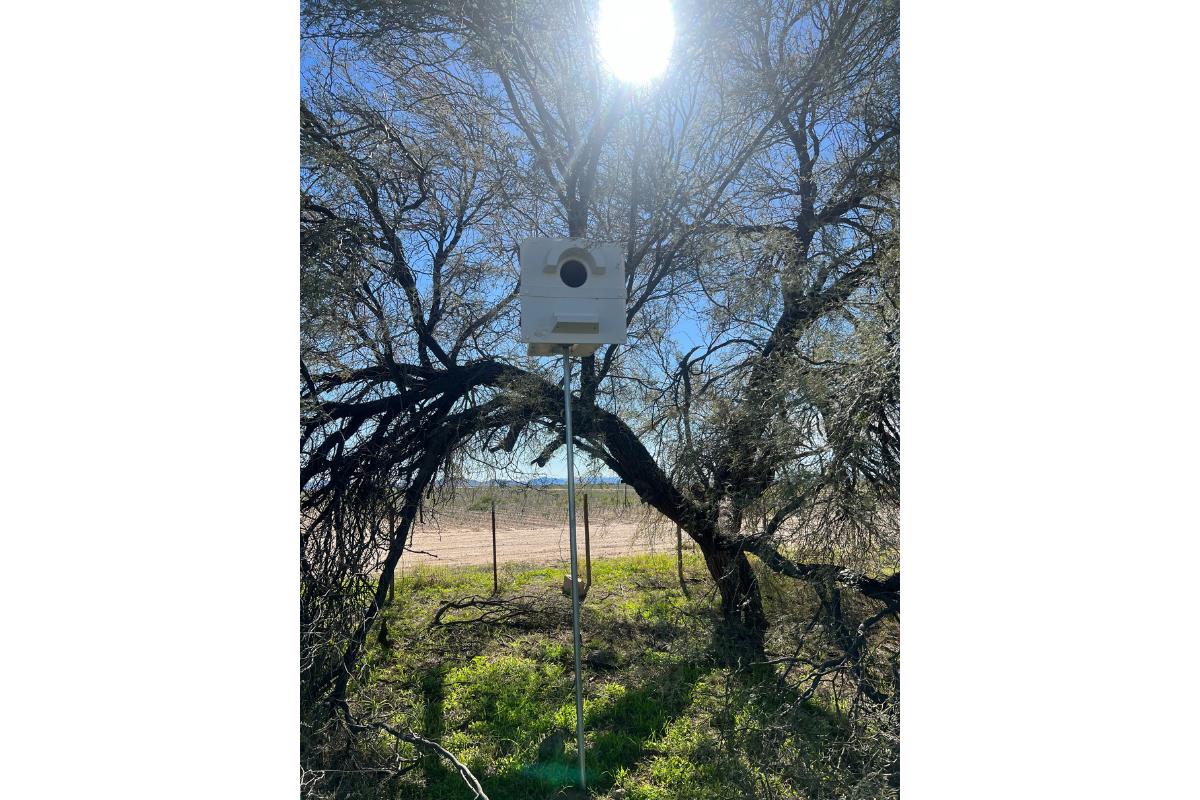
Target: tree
{"x":756,"y":403}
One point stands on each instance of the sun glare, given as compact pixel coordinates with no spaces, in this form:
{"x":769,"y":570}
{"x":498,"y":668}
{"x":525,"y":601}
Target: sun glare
{"x":635,"y":38}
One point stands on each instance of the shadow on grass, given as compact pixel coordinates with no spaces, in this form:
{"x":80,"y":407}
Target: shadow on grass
{"x":433,"y":689}
{"x":619,"y":730}
{"x":619,"y":725}
{"x":497,"y":709}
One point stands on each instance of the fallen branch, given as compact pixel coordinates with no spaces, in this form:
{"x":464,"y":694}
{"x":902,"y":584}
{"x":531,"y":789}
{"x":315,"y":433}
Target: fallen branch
{"x":495,"y":611}
{"x":430,"y":745}
{"x":415,"y":740}
{"x":852,"y":647}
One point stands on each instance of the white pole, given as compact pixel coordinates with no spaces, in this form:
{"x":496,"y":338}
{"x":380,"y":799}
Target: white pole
{"x":574,"y":564}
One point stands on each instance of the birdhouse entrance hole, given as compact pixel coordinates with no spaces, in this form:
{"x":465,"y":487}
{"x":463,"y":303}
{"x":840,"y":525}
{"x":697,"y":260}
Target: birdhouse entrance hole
{"x":573,"y":273}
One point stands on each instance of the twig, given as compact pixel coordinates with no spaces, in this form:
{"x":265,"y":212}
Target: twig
{"x":429,"y":744}
{"x":496,"y":611}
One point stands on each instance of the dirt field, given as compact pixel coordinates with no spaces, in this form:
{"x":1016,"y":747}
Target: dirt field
{"x":455,"y":539}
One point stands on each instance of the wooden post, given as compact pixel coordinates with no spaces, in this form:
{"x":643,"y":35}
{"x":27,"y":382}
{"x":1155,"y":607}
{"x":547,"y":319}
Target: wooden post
{"x":587,"y":542}
{"x":679,"y":559}
{"x":495,"y":571}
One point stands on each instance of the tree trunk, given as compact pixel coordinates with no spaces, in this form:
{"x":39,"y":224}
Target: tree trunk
{"x":741,"y":601}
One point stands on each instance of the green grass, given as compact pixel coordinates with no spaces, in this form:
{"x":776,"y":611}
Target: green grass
{"x":669,"y":719}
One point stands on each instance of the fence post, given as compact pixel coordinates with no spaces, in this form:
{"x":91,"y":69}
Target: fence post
{"x":679,"y":558}
{"x":587,"y":542}
{"x":495,"y":570}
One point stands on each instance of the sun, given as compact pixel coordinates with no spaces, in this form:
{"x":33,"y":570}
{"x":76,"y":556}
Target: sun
{"x":635,"y":38}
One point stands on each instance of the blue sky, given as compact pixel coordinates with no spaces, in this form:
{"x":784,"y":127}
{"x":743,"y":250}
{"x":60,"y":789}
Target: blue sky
{"x":686,"y":332}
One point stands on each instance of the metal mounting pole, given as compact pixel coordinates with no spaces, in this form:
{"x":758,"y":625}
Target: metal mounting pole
{"x":574,"y":565}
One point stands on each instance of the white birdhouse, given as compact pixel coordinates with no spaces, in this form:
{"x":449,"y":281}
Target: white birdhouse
{"x":572,"y":293}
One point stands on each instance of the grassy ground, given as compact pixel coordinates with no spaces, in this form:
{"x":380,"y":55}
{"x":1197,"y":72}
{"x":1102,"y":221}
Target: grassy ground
{"x":668,"y":714}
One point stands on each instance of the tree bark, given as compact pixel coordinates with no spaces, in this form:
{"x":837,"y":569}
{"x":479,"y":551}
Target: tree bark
{"x":741,"y":601}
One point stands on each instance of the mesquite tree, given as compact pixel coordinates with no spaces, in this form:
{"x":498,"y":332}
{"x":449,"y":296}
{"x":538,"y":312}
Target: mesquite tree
{"x":755,"y":190}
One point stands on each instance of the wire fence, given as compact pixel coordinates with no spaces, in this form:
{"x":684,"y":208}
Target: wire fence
{"x":537,"y":532}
